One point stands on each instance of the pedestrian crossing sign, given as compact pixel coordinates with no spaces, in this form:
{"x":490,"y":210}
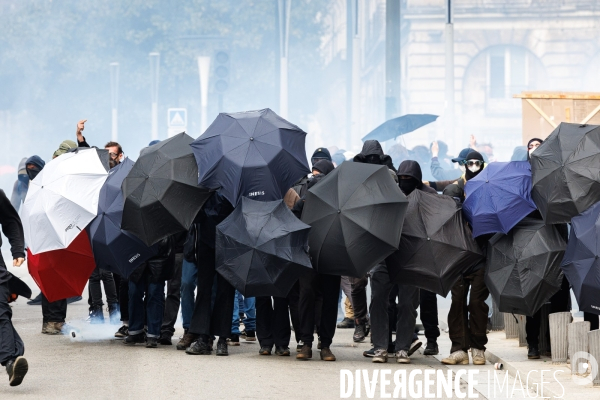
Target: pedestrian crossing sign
{"x":177,"y":118}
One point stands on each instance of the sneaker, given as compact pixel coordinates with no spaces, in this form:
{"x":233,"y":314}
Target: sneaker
{"x":282,"y":351}
{"x":151,"y":342}
{"x":234,"y":341}
{"x":74,"y":299}
{"x":249,"y":336}
{"x":186,"y":341}
{"x":327,"y":355}
{"x":123,"y":332}
{"x":478,"y":356}
{"x":532,"y":354}
{"x":222,"y":347}
{"x":135,"y":339}
{"x":379,"y":356}
{"x":402,"y":357}
{"x":305,"y":353}
{"x":54,"y":328}
{"x":459,"y":357}
{"x":96,"y":315}
{"x":36,"y":301}
{"x":165,"y":339}
{"x":431,"y":349}
{"x":416,"y":345}
{"x":359,"y":332}
{"x":370,"y":353}
{"x":16,"y":370}
{"x":114,"y":314}
{"x":44,"y":326}
{"x":199,"y":348}
{"x":265,"y":350}
{"x":346,"y":323}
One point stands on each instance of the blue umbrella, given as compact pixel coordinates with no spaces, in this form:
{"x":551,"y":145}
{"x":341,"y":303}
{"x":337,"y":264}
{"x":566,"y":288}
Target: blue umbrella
{"x":395,"y":127}
{"x":114,"y":249}
{"x":256,"y":154}
{"x":581,"y":263}
{"x":499,"y":197}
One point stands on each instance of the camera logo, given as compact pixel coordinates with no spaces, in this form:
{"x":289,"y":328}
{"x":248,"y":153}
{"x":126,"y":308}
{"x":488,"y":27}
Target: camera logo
{"x":586,"y":368}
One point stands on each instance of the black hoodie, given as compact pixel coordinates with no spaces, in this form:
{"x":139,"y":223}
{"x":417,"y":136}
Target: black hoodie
{"x":373,"y":148}
{"x":413,"y":169}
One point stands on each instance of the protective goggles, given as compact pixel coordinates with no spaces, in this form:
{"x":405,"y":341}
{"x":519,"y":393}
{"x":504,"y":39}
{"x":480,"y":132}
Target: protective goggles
{"x":476,"y":163}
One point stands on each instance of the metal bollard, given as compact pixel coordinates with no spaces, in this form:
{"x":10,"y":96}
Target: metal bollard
{"x":577,"y":334}
{"x":558,"y":336}
{"x":510,"y":326}
{"x":594,"y":345}
{"x":497,"y":318}
{"x":522,"y":332}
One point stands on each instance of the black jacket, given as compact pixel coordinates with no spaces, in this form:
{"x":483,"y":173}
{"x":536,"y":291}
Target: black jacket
{"x":413,"y":169}
{"x":13,"y":230}
{"x":373,"y":148}
{"x":159,"y":268}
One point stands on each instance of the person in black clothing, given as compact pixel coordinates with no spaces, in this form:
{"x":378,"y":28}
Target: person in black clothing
{"x":328,"y":286}
{"x":11,"y":345}
{"x":173,"y":299}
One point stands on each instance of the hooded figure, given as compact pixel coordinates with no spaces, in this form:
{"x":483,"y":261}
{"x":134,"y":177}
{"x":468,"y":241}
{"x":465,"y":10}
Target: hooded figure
{"x":473,"y":167}
{"x":322,"y":153}
{"x":20,"y":187}
{"x":532,"y":145}
{"x":411,"y":178}
{"x":372,"y":153}
{"x":34,"y":166}
{"x":323,"y":167}
{"x":64,"y":147}
{"x":320,"y":170}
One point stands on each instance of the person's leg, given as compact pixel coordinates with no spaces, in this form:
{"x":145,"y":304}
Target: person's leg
{"x":478,"y":310}
{"x":392,"y":316}
{"x":264,"y":321}
{"x":250,"y":311}
{"x":95,"y":290}
{"x":172,"y":301}
{"x":330,"y":287}
{"x":380,"y":290}
{"x":220,"y":324}
{"x":201,"y":316}
{"x":429,"y":316}
{"x":137,"y":290}
{"x":235,"y":321}
{"x":408,"y":302}
{"x":358,"y":294}
{"x":307,"y":308}
{"x":348,"y":309}
{"x":124,"y":301}
{"x":458,"y":323}
{"x":592,"y":319}
{"x":532,"y":329}
{"x":281,"y":322}
{"x":294,"y":300}
{"x":155,"y":291}
{"x":109,"y":287}
{"x":189,"y":275}
{"x":11,"y":345}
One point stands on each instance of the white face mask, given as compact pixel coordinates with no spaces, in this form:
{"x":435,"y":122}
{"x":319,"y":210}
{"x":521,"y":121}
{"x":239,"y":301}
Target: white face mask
{"x":474,"y":168}
{"x":531,"y":151}
{"x":462,"y":168}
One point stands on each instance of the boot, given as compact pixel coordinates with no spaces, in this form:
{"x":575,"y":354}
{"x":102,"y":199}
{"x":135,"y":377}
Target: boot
{"x":114,"y":314}
{"x":359,"y":331}
{"x":96,"y":315}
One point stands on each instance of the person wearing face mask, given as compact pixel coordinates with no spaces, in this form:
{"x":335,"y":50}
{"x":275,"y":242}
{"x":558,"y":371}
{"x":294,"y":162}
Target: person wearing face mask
{"x":443,"y":179}
{"x":532,"y":145}
{"x":467,"y":324}
{"x":20,"y":187}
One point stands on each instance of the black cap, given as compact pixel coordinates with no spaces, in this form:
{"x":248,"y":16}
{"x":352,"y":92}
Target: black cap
{"x":462,"y":156}
{"x":322,"y":152}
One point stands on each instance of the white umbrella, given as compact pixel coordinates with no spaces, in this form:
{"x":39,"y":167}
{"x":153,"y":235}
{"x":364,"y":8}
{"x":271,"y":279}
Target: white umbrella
{"x":62,"y":200}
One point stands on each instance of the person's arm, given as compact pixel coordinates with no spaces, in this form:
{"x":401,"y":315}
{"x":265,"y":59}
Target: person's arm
{"x":12,"y":229}
{"x":15,"y":198}
{"x":80,"y":138}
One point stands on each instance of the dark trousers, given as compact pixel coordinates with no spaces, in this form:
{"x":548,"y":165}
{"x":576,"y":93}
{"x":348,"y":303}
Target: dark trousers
{"x":55,"y":311}
{"x":173,"y":299}
{"x":559,"y":302}
{"x":429,"y":315}
{"x":11,"y":345}
{"x":124,"y":298}
{"x":215,"y":321}
{"x":467,"y":322}
{"x":593,"y":319}
{"x":329,"y":288}
{"x":95,"y":291}
{"x":152,"y":296}
{"x":273,"y":321}
{"x":294,"y":300}
{"x":359,"y":297}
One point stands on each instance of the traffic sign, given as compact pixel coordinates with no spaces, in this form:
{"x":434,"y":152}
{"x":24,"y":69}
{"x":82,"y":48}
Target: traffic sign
{"x":177,"y":118}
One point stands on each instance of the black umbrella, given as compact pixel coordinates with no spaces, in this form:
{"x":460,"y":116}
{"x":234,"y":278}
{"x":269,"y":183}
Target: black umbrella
{"x":565,"y":174}
{"x":114,"y":249}
{"x":356,"y":214}
{"x":523,"y":267}
{"x":581,"y":264}
{"x":436,"y":246}
{"x":255,"y":154}
{"x":395,"y":127}
{"x":262,"y":248}
{"x":161,"y":192}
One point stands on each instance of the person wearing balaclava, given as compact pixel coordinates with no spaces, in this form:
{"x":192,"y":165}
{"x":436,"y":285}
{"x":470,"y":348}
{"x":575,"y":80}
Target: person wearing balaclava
{"x":20,"y":187}
{"x":410,"y":179}
{"x":532,"y":145}
{"x":467,"y":325}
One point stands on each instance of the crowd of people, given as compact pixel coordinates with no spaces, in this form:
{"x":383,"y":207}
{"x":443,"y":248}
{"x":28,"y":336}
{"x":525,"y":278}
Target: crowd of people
{"x":182,"y":275}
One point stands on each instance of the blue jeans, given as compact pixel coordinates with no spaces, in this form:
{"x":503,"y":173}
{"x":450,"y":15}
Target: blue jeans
{"x":248,"y":306}
{"x":189,"y":274}
{"x":155,"y":294}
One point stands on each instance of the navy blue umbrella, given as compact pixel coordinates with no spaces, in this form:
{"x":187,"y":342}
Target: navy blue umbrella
{"x":114,"y":249}
{"x":256,"y":154}
{"x":395,"y":127}
{"x":581,"y":263}
{"x":499,"y":197}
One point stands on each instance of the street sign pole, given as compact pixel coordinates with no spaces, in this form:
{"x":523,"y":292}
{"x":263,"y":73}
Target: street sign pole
{"x":285,"y":7}
{"x":154,"y":68}
{"x":114,"y":92}
{"x":204,"y":72}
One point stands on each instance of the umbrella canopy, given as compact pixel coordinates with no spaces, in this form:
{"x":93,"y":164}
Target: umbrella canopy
{"x":114,"y":249}
{"x":395,"y":127}
{"x":436,"y":245}
{"x":161,"y":191}
{"x":566,"y":177}
{"x":262,"y":248}
{"x":581,"y":263}
{"x":523,"y":267}
{"x":256,"y":154}
{"x":498,"y":197}
{"x":356,"y":214}
{"x":61,"y":274}
{"x":62,"y":200}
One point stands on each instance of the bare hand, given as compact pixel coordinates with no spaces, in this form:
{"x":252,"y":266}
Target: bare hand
{"x":472,"y":142}
{"x":17,"y":262}
{"x":435,"y":149}
{"x":80,"y":128}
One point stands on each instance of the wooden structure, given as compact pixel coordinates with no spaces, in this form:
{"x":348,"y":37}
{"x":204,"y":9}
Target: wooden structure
{"x":543,"y":111}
